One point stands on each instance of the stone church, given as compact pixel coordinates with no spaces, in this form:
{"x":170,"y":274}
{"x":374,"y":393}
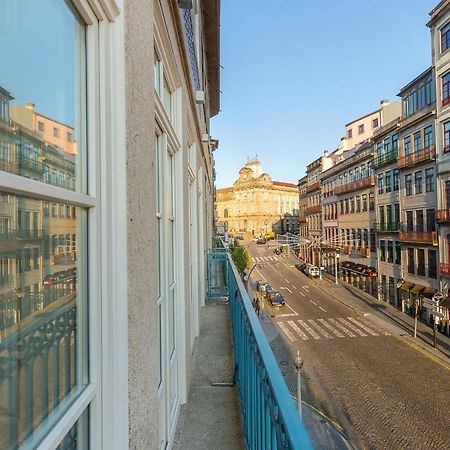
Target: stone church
{"x":256,"y":204}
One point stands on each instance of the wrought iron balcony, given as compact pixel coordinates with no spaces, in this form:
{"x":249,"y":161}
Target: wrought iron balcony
{"x":302,"y":219}
{"x":313,"y":187}
{"x":419,"y":237}
{"x":355,"y":185}
{"x":385,"y":158}
{"x":444,"y":269}
{"x":390,"y":227}
{"x":443,"y":215}
{"x":313,"y":209}
{"x":422,"y":155}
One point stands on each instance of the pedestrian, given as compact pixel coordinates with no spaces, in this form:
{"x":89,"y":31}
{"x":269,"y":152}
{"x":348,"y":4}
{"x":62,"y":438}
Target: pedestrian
{"x":254,"y":303}
{"x":257,"y":306}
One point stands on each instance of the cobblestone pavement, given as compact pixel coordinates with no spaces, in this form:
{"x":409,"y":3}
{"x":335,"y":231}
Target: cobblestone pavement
{"x":385,"y":394}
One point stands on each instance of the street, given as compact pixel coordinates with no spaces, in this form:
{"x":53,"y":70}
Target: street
{"x":385,"y":394}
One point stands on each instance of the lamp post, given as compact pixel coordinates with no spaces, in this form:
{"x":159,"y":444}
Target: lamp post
{"x":336,"y":259}
{"x":399,"y":285}
{"x":298,"y":363}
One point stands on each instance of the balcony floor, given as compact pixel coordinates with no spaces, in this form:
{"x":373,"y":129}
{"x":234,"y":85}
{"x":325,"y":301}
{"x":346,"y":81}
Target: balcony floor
{"x":211,"y":417}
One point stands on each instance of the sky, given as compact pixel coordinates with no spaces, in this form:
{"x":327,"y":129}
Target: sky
{"x":295,"y":71}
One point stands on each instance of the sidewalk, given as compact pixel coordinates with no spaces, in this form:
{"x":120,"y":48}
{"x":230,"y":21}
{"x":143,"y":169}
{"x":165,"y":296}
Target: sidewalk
{"x":211,"y":418}
{"x":364,"y":303}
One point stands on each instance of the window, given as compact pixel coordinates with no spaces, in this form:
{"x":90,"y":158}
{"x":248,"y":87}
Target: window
{"x":381,"y":214}
{"x":429,"y":179}
{"x":69,"y":137}
{"x":396,"y":218}
{"x":431,"y":223}
{"x":361,"y":129}
{"x":341,"y":203}
{"x":419,"y":220}
{"x":409,"y":221}
{"x":379,"y":148}
{"x":56,"y":132}
{"x":417,"y":141}
{"x":413,"y":101}
{"x":445,"y":37}
{"x":432,"y":264}
{"x":349,"y":133}
{"x":390,"y":252}
{"x":387,"y":179}
{"x":429,"y":90}
{"x":375,"y":123}
{"x":421,"y":262}
{"x":389,"y":214}
{"x":395,"y":142}
{"x":371,"y":202}
{"x":428,"y":137}
{"x":395,"y":179}
{"x":387,"y":145}
{"x":382,"y":250}
{"x":446,"y":89}
{"x":408,"y":184}
{"x":411,"y":260}
{"x":447,"y":137}
{"x":352,"y":205}
{"x":398,"y":253}
{"x":418,"y":182}
{"x":405,"y":105}
{"x":421,"y":96}
{"x":358,"y":204}
{"x":407,"y":145}
{"x":356,"y":173}
{"x":41,"y":127}
{"x":347,"y":209}
{"x":364,"y":202}
{"x":363,"y":171}
{"x":380,"y":183}
{"x":157,"y":67}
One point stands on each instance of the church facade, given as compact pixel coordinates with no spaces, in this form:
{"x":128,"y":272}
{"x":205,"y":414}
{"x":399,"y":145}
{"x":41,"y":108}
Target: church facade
{"x":256,"y":204}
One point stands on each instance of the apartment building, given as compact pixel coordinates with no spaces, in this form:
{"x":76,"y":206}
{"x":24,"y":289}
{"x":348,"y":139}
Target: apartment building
{"x":106,"y":210}
{"x":439,"y":25}
{"x":302,"y":220}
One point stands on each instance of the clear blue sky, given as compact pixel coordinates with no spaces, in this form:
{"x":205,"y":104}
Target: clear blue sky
{"x":295,"y":71}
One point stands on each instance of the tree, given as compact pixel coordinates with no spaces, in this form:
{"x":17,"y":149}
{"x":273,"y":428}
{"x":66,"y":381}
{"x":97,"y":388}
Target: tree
{"x":241,"y":257}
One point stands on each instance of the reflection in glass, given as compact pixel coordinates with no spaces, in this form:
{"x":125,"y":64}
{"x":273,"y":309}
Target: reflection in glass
{"x":41,"y":136}
{"x":43,"y":352}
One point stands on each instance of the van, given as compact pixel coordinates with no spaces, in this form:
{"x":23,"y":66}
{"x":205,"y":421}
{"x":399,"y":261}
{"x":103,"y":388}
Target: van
{"x":312,"y":271}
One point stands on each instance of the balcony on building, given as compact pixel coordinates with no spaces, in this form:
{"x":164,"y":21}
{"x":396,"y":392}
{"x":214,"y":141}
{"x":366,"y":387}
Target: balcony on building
{"x":385,"y":158}
{"x":302,"y":219}
{"x":444,"y":269}
{"x":356,"y":185}
{"x":387,"y":227}
{"x":419,"y":237}
{"x":443,"y":215}
{"x":419,"y":156}
{"x":313,"y":209}
{"x":313,"y":187}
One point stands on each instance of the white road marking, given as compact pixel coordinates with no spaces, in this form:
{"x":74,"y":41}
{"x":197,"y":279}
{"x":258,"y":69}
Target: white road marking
{"x":276,"y":259}
{"x":297,"y":330}
{"x":253,"y":259}
{"x":364,"y":327}
{"x":294,"y":287}
{"x":341,"y":327}
{"x":324,"y":310}
{"x":308,"y":329}
{"x":313,"y":302}
{"x":303,"y":294}
{"x":286,"y":331}
{"x":334,"y":331}
{"x":352,"y":327}
{"x":319,"y":329}
{"x":293,"y":310}
{"x":287,"y":281}
{"x":306,"y":287}
{"x":287,"y":315}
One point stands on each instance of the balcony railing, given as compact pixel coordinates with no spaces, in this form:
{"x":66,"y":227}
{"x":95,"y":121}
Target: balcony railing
{"x":302,"y":219}
{"x":391,"y":227}
{"x":424,"y":154}
{"x":313,"y":209}
{"x":313,"y":187}
{"x":419,"y":237}
{"x":444,"y":269}
{"x":269,"y":414}
{"x":355,"y":185}
{"x":443,"y":215}
{"x":385,"y":158}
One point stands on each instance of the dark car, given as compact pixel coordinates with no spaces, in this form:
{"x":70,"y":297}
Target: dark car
{"x":261,"y":241}
{"x":275,"y":298}
{"x":239,"y":237}
{"x":300,"y":266}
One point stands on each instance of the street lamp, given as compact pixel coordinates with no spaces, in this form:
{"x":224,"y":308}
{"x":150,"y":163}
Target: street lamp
{"x":298,"y":363}
{"x":336,"y":259}
{"x":400,"y":283}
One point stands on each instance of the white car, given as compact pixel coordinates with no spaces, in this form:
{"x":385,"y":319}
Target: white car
{"x":312,"y":271}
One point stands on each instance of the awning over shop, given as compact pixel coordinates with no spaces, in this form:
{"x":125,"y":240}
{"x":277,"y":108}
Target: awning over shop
{"x":428,"y":292}
{"x":359,"y":269}
{"x":417,"y":289}
{"x":407,"y":286}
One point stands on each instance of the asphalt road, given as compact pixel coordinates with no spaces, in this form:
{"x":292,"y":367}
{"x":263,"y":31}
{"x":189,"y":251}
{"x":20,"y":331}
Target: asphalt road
{"x":385,"y":394}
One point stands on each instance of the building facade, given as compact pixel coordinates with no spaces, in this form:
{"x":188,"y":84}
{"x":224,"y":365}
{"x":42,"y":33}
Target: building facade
{"x":256,"y":204}
{"x":106,"y":212}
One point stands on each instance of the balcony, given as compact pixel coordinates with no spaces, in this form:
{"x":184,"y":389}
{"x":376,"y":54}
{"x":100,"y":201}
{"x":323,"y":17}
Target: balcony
{"x":422,"y":155}
{"x":302,"y":219}
{"x":364,"y":252}
{"x":313,"y":209}
{"x":391,"y":227}
{"x":419,"y":237}
{"x":313,"y":187}
{"x":385,"y":158}
{"x":355,"y":185}
{"x":444,"y":269}
{"x":442,"y":215}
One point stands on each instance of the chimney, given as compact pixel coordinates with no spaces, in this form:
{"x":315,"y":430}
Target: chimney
{"x":384,"y":102}
{"x":30,"y":106}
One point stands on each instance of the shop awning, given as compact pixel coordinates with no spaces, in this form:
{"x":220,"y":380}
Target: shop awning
{"x":417,"y":289}
{"x":428,"y":292}
{"x":407,"y":286}
{"x":359,"y":269}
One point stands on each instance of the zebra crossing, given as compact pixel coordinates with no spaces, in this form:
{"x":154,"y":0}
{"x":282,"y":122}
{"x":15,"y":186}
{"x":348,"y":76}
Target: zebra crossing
{"x":265,"y":258}
{"x":330,"y":328}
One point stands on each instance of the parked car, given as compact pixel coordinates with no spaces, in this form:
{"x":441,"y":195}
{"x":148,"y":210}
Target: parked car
{"x":275,"y":298}
{"x":239,"y":237}
{"x":311,"y":271}
{"x":261,"y":241}
{"x":300,"y":266}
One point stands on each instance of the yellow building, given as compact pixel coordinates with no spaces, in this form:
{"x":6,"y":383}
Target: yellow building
{"x":257,"y":204}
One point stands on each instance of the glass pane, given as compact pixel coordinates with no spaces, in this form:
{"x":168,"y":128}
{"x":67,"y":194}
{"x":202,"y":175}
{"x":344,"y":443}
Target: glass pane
{"x":77,"y":437}
{"x":41,"y":131}
{"x":43,"y":320}
{"x":171,"y":321}
{"x":170,"y":251}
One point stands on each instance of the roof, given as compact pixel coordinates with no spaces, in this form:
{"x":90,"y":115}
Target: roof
{"x":228,"y":189}
{"x":415,"y":80}
{"x":437,"y":11}
{"x":281,"y":183}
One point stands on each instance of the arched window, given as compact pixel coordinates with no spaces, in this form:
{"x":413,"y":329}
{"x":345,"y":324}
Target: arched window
{"x":225,"y":213}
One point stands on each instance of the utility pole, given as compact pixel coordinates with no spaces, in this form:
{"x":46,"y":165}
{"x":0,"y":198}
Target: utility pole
{"x":298,"y":363}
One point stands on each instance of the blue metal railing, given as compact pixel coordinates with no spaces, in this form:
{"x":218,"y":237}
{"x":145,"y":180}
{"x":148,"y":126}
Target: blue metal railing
{"x":269,"y":415}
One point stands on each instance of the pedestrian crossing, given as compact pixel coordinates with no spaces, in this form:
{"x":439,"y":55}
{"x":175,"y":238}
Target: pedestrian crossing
{"x":330,"y":328}
{"x":265,"y":258}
